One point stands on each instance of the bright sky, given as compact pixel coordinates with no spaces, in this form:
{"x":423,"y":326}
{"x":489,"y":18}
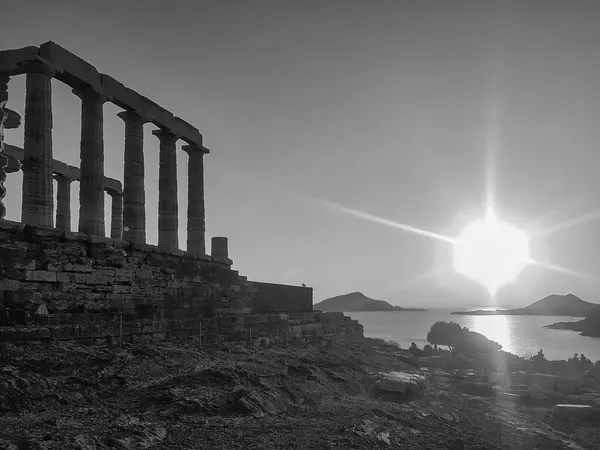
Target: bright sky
{"x":394,"y":108}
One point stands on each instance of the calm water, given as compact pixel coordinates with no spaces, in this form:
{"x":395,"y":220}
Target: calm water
{"x":521,"y":335}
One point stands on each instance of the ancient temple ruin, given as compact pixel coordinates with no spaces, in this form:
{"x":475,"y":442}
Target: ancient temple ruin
{"x":56,"y":283}
{"x":50,"y":61}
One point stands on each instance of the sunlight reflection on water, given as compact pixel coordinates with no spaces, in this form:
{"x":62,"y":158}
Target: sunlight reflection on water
{"x":521,"y":335}
{"x":495,"y":328}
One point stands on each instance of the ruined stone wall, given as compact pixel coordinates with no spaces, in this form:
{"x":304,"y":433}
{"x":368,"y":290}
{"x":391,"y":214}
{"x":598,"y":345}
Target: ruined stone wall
{"x":272,"y":297}
{"x":60,"y":285}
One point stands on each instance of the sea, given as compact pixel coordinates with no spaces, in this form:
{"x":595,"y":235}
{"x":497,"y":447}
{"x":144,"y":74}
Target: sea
{"x":520,"y":335}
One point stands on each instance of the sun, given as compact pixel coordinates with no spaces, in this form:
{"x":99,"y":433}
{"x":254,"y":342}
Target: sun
{"x":491,"y":252}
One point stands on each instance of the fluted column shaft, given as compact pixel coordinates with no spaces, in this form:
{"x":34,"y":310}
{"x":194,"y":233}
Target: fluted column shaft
{"x":91,"y":187}
{"x":134,"y":195}
{"x":116,"y":218}
{"x":63,"y":202}
{"x":3,"y":159}
{"x":195,"y":209}
{"x":168,"y":223}
{"x":38,"y":198}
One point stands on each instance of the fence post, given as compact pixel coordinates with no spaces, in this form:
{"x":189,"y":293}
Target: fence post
{"x":200,"y":335}
{"x":121,"y":329}
{"x":250,"y":330}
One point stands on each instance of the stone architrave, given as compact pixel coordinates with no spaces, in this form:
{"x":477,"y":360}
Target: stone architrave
{"x":195,"y":210}
{"x":3,"y":159}
{"x":38,"y":197}
{"x":63,"y":202}
{"x":116,"y":219}
{"x":134,"y":196}
{"x":168,"y":224}
{"x":91,"y":188}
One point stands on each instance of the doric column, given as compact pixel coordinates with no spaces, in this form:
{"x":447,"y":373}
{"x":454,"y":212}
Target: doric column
{"x":38,"y":198}
{"x":63,"y":202}
{"x":134,"y":196}
{"x":195,"y":210}
{"x":116,"y":219}
{"x":167,"y":190}
{"x":3,"y":159}
{"x":91,"y":184}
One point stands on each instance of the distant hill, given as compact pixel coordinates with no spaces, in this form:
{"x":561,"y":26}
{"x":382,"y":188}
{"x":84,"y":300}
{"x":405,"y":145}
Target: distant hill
{"x":553,"y":305}
{"x":357,"y":301}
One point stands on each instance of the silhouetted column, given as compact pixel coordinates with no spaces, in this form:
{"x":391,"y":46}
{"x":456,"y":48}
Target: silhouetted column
{"x":116,"y":218}
{"x":3,"y":159}
{"x":195,"y":210}
{"x":134,"y":195}
{"x":167,"y":190}
{"x":38,"y":198}
{"x":63,"y":202}
{"x":91,"y":184}
{"x":218,"y":248}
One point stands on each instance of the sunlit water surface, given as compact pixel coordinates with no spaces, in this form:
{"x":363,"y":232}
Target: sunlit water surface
{"x":521,"y":335}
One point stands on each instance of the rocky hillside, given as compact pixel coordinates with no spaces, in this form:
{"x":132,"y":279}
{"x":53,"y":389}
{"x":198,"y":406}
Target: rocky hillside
{"x":355,"y":302}
{"x":180,"y":396}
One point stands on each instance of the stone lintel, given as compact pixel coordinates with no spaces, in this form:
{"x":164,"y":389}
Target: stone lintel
{"x":158,"y":115}
{"x":120,"y":95}
{"x":79,"y":74}
{"x":11,"y":61}
{"x":65,"y":170}
{"x":70,"y":68}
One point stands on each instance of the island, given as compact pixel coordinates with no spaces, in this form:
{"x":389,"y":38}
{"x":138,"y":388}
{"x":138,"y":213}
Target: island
{"x":590,"y":326}
{"x":357,"y":302}
{"x":552,"y":305}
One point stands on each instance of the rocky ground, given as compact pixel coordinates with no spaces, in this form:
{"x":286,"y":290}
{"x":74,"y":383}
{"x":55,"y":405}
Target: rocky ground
{"x":180,"y":396}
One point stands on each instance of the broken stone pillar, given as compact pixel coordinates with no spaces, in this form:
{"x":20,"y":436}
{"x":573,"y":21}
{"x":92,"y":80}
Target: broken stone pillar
{"x":91,"y":185}
{"x":3,"y":159}
{"x":195,"y":211}
{"x":63,"y":202}
{"x":116,"y":220}
{"x":167,"y":190}
{"x":218,"y":248}
{"x":134,"y":196}
{"x":38,"y":197}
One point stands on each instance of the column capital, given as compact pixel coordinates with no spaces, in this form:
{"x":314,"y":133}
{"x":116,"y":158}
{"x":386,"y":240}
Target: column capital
{"x":62,"y":176}
{"x":89,"y":93}
{"x":131,"y":116}
{"x":194,"y":149}
{"x":165,"y":136}
{"x":113,"y":193}
{"x":38,"y":68}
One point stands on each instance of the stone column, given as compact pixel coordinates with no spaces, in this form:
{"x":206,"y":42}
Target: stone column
{"x":116,"y":220}
{"x":167,"y":190}
{"x":3,"y":159}
{"x":219,"y":248}
{"x":63,"y":202}
{"x":38,"y":197}
{"x":91,"y":185}
{"x":195,"y":210}
{"x":134,"y":195}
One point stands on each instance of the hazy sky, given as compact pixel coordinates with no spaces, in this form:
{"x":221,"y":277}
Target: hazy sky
{"x":395,"y":108}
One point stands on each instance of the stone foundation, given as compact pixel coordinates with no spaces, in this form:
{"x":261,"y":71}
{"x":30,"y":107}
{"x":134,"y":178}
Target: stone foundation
{"x":59,"y":285}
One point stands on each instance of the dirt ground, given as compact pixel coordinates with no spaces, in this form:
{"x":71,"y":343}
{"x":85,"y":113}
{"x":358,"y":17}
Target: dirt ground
{"x":180,"y":396}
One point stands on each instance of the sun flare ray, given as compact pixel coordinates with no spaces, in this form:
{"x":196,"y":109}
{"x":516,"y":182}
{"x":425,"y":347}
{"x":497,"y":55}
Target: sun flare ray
{"x":557,"y":268}
{"x":570,"y":223}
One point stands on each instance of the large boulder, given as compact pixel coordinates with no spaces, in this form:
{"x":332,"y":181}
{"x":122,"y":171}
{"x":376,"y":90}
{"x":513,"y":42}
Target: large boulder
{"x":401,"y":382}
